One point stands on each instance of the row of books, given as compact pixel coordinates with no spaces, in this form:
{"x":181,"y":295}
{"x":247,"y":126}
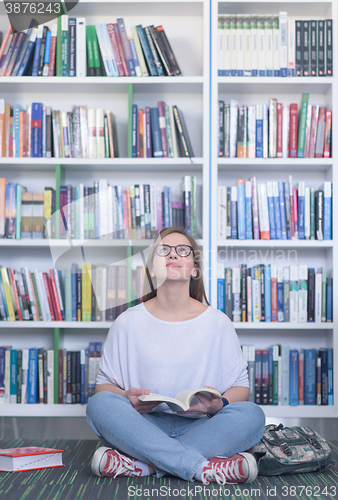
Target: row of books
{"x":86,"y":292}
{"x":160,"y":132}
{"x":73,"y":48}
{"x":274,"y":45}
{"x":41,"y":132}
{"x":27,"y":376}
{"x":281,"y":375}
{"x":102,"y":211}
{"x":277,"y":375}
{"x":274,"y":210}
{"x":274,"y":130}
{"x":268,"y":293}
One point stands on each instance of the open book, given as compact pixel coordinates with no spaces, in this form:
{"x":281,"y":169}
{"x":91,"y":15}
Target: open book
{"x":183,"y":400}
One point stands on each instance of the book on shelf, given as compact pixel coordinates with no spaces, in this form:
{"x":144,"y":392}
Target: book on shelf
{"x":73,"y":47}
{"x":281,"y":375}
{"x":276,"y":130}
{"x":275,"y":211}
{"x":29,"y":458}
{"x":98,"y":212}
{"x":295,"y":294}
{"x":183,"y":400}
{"x":273,"y":46}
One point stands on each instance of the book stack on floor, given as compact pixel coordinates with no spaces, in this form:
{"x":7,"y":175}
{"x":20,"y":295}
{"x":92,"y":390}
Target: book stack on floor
{"x":43,"y":132}
{"x":281,"y":375}
{"x":103,"y":211}
{"x":274,"y":130}
{"x":72,"y":47}
{"x":274,"y":45}
{"x":87,"y":292}
{"x":27,"y":375}
{"x":274,"y":211}
{"x":267,"y":293}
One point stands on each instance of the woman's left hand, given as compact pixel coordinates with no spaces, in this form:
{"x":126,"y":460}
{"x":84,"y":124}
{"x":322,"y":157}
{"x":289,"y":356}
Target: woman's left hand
{"x":205,"y":406}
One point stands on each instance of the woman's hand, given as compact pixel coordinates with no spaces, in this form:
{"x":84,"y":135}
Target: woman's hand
{"x":140,"y":406}
{"x":205,"y":406}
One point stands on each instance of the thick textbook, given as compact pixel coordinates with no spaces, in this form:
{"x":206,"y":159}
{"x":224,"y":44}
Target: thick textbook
{"x":183,"y":400}
{"x":29,"y":458}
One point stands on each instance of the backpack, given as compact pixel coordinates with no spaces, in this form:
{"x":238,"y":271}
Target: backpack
{"x":289,"y":450}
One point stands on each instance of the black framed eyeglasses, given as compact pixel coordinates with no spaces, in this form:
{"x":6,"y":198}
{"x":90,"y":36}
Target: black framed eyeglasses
{"x":181,"y":250}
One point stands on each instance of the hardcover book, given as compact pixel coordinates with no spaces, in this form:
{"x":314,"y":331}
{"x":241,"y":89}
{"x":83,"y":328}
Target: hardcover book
{"x":29,"y":458}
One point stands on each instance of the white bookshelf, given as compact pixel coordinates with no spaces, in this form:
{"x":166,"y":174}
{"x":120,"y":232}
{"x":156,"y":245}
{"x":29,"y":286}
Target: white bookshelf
{"x":226,"y":171}
{"x":187,"y":25}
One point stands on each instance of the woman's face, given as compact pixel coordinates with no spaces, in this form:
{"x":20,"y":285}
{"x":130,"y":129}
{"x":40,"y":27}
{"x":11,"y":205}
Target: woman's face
{"x":173,"y":267}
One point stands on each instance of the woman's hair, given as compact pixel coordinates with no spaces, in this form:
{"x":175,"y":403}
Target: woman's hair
{"x":196,"y":287}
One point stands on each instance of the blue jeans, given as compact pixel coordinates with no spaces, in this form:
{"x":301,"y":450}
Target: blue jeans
{"x":172,"y":443}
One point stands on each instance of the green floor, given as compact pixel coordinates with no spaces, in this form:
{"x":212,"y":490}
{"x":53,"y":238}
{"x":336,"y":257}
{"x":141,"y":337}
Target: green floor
{"x":76,"y":482}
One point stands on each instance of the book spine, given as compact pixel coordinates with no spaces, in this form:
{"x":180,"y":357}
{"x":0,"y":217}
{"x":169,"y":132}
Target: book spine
{"x":313,"y":48}
{"x":126,"y":47}
{"x":299,"y":47}
{"x":321,"y":48}
{"x":328,"y":47}
{"x":283,"y":45}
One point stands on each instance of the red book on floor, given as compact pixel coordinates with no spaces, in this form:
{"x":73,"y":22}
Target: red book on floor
{"x":29,"y":458}
{"x":293,"y":130}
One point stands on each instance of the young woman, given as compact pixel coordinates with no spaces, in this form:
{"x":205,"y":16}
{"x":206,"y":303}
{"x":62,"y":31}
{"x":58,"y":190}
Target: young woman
{"x":169,"y":342}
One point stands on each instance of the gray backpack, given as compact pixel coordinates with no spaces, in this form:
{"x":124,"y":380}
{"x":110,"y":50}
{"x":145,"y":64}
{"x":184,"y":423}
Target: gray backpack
{"x":288,"y":450}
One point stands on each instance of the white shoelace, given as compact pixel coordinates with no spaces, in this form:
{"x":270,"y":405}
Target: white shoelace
{"x":120,"y":464}
{"x":222,"y":471}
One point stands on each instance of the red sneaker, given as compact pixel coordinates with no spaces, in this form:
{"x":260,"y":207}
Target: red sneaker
{"x":241,"y":468}
{"x":110,"y":463}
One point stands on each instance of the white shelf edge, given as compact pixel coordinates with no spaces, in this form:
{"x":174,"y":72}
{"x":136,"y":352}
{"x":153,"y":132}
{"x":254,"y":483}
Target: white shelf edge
{"x":276,"y":80}
{"x":103,"y":161}
{"x":102,"y":80}
{"x":77,"y":410}
{"x":276,"y":325}
{"x":300,"y":411}
{"x":75,"y":325}
{"x":42,"y":410}
{"x":86,"y":243}
{"x":315,"y":244}
{"x":275,"y":161}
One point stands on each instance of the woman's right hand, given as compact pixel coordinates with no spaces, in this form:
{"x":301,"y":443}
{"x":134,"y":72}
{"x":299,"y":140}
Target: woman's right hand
{"x":140,"y":406}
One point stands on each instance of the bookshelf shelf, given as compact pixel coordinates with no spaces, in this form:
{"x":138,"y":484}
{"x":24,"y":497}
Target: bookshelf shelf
{"x":89,"y":84}
{"x":301,"y":411}
{"x":106,"y":164}
{"x":87,"y":243}
{"x":314,"y":244}
{"x":105,"y":325}
{"x":42,"y":410}
{"x":263,"y":85}
{"x":76,"y":410}
{"x":275,"y":164}
{"x":283,"y":326}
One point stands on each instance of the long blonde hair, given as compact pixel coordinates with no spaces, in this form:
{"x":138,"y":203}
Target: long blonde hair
{"x":196,"y":287}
